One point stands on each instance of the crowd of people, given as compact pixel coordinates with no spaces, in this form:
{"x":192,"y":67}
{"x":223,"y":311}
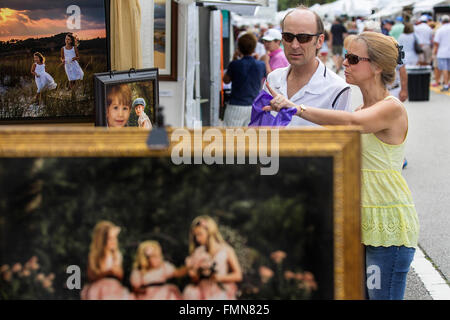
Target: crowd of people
{"x":373,"y":58}
{"x":426,"y":43}
{"x":212,"y":267}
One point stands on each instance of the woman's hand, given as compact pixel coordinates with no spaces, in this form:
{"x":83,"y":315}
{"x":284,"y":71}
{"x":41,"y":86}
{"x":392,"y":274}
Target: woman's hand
{"x":278,"y":102}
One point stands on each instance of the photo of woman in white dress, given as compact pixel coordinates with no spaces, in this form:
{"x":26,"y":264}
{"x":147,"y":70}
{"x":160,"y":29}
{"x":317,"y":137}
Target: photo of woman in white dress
{"x":43,"y":80}
{"x":70,"y":57}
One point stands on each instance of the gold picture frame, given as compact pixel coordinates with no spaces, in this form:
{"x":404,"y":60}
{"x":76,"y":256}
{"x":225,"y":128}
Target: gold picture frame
{"x":342,"y":144}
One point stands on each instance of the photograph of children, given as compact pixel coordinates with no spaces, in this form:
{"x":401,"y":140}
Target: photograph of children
{"x":203,"y":232}
{"x":63,"y":43}
{"x":130,"y":104}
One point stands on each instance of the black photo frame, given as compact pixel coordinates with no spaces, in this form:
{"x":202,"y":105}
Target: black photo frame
{"x":137,"y":80}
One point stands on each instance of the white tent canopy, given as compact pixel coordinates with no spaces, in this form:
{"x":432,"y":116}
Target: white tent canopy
{"x":427,"y":5}
{"x":351,"y":8}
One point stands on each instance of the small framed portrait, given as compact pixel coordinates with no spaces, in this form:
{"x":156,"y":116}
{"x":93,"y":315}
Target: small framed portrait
{"x":126,"y":99}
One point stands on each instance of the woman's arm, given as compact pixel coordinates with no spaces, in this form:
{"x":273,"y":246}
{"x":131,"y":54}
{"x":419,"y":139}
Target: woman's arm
{"x":372,"y":120}
{"x":235,"y":274}
{"x":63,"y":59}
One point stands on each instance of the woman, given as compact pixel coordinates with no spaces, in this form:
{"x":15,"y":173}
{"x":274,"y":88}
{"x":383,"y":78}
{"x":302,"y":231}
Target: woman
{"x":246,"y":75}
{"x":406,"y":40}
{"x":390,"y":225}
{"x":212,"y":265}
{"x":105,"y":271}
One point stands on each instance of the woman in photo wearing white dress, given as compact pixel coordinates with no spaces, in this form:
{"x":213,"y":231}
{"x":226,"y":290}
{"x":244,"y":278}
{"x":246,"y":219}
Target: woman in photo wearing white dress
{"x":70,"y":57}
{"x":44,"y":81}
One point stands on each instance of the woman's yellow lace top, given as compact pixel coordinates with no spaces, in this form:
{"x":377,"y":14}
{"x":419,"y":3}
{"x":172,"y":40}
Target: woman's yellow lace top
{"x":389,"y":217}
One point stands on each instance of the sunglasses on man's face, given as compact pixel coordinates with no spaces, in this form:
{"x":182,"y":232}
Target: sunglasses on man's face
{"x":301,"y":37}
{"x":354,"y":59}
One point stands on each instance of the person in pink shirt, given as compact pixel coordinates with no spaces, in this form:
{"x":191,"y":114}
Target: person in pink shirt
{"x":275,"y":57}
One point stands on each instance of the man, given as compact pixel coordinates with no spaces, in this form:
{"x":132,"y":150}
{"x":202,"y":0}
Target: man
{"x":274,"y":58}
{"x":442,"y":49}
{"x":398,"y":28}
{"x":307,"y":80}
{"x":143,"y":121}
{"x":337,"y":34}
{"x":386,"y":27}
{"x":424,"y":36}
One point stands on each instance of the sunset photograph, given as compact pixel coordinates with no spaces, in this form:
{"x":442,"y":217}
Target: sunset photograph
{"x":49,"y":53}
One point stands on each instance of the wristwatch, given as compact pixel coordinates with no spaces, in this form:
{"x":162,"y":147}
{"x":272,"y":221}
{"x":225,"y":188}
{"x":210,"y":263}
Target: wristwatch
{"x":301,"y":108}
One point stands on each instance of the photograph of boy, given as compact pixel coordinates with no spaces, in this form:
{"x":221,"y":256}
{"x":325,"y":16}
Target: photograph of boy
{"x":139,"y":107}
{"x":118,"y":105}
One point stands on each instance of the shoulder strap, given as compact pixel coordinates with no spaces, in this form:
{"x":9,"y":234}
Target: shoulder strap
{"x":395,"y":99}
{"x":339,"y":94}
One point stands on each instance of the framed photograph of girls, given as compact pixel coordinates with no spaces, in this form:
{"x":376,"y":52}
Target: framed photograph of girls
{"x":49,"y":52}
{"x":128,"y":35}
{"x":126,"y":99}
{"x":177,"y":230}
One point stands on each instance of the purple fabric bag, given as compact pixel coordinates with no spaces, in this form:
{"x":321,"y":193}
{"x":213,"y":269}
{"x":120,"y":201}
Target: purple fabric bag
{"x":262,"y":118}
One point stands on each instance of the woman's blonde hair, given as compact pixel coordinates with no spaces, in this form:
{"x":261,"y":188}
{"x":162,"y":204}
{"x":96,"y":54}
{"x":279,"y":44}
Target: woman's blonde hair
{"x":211,"y":228}
{"x":97,"y":250}
{"x":348,"y":39}
{"x":40,"y":56}
{"x":383,"y":52}
{"x":141,"y":260}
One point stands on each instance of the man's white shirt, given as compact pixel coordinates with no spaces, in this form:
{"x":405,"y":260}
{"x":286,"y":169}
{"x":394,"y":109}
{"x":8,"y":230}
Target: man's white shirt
{"x":325,"y":90}
{"x":424,"y":33}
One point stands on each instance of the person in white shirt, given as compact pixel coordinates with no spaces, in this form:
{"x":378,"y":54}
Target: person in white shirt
{"x":143,"y":121}
{"x":307,"y":80}
{"x":424,"y":36}
{"x":442,"y":49}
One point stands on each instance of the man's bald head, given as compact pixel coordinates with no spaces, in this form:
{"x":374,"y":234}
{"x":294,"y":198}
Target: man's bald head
{"x":305,"y":14}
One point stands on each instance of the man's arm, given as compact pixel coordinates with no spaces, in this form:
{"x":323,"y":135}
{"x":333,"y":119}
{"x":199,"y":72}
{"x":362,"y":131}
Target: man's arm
{"x":226,"y":78}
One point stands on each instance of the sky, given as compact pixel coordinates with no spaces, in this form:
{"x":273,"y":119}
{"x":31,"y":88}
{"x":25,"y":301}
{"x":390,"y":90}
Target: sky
{"x":22,"y":19}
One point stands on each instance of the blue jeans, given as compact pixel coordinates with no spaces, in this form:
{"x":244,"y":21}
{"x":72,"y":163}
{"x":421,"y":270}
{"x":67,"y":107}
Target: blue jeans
{"x":386,"y":270}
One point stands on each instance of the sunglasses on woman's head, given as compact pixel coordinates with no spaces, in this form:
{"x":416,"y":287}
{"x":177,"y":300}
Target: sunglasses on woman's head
{"x":301,"y":37}
{"x":354,"y":59}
